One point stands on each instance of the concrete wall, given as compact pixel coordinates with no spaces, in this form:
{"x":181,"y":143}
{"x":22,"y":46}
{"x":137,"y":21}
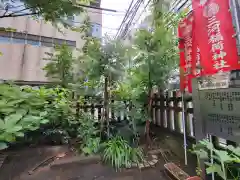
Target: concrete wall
{"x":25,"y":61}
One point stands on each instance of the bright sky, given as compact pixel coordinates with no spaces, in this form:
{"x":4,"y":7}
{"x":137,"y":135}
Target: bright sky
{"x":111,"y":21}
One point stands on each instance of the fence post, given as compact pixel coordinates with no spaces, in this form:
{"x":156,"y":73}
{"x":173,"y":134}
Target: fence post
{"x":124,"y":115}
{"x":153,"y":109}
{"x":112,"y":110}
{"x":168,"y":111}
{"x":85,"y":109}
{"x":176,"y":112}
{"x":157,"y":108}
{"x":162,"y":108}
{"x":100,"y":111}
{"x":92,"y":109}
{"x":77,"y":106}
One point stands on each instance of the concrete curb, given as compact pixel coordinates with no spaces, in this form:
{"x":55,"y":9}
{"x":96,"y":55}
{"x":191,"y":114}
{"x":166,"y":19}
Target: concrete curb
{"x":76,"y":160}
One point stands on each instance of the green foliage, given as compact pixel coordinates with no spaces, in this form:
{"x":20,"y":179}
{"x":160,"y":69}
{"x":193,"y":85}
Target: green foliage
{"x":61,"y":66}
{"x":157,"y":55}
{"x":119,"y":154}
{"x":224,"y":160}
{"x":20,"y":112}
{"x":51,"y":107}
{"x":88,"y":133}
{"x":63,"y":123}
{"x":92,"y":146}
{"x":105,"y":65}
{"x":55,"y":11}
{"x":136,"y":116}
{"x":106,"y":60}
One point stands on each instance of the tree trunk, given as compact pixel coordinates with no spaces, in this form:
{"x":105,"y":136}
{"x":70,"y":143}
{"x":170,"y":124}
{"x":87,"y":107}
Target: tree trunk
{"x":106,"y":105}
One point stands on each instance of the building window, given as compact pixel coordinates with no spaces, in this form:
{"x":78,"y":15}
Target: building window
{"x":5,"y":39}
{"x":33,"y":43}
{"x":47,"y":44}
{"x":18,"y":41}
{"x":34,"y":40}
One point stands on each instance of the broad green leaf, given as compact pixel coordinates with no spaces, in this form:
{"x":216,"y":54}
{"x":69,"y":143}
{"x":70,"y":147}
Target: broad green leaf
{"x":3,"y":103}
{"x":223,"y":156}
{"x":31,"y":119}
{"x":235,"y":150}
{"x":19,"y":134}
{"x":14,"y":129}
{"x":44,"y":121}
{"x":12,"y":119}
{"x":44,"y":113}
{"x":2,"y":125}
{"x":31,"y":128}
{"x":87,"y":150}
{"x":9,"y":137}
{"x":7,"y":110}
{"x":14,"y":102}
{"x":215,"y":168}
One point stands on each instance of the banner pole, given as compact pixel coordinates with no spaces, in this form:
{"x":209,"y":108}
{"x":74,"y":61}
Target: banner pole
{"x":184,"y":130}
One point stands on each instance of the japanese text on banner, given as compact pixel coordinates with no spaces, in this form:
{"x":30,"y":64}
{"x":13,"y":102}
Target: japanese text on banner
{"x":215,"y":32}
{"x":185,"y":46}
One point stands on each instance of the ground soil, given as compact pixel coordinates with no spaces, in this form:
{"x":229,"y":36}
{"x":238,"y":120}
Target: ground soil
{"x":96,"y":172}
{"x":20,"y":162}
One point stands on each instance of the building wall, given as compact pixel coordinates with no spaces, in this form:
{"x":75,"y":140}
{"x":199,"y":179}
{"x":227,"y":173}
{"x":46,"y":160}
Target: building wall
{"x":23,"y":51}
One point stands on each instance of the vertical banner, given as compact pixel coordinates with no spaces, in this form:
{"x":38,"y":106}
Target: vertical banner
{"x":182,"y":62}
{"x":197,"y":69}
{"x":185,"y":46}
{"x":215,"y":35}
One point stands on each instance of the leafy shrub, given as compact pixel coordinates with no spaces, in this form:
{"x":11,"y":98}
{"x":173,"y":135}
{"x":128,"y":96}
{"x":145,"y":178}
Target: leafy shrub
{"x":129,"y":129}
{"x":91,"y":146}
{"x":88,"y":133}
{"x":226,"y":161}
{"x":20,"y":112}
{"x":63,"y":124}
{"x":120,"y":154}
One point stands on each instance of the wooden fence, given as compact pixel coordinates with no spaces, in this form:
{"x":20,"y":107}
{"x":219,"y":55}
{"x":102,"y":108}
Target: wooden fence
{"x":166,"y":113}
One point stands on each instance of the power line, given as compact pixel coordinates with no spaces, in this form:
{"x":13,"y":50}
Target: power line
{"x":132,"y":12}
{"x":130,"y":23}
{"x":124,"y":19}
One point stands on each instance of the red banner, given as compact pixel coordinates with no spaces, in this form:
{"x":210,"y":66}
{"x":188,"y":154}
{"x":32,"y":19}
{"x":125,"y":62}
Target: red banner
{"x":185,"y":46}
{"x":197,"y":70}
{"x":214,"y":35}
